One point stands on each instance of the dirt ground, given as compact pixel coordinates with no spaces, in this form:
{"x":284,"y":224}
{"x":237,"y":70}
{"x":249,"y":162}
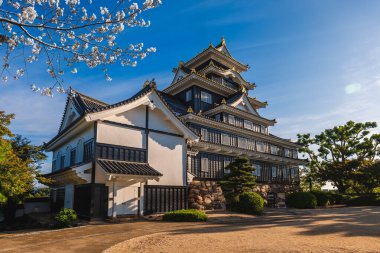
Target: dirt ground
{"x":354,"y":229}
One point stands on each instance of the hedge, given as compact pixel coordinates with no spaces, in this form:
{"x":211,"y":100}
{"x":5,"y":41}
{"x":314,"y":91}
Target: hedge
{"x":302,"y":200}
{"x":251,"y":203}
{"x":322,"y":198}
{"x":185,"y":215}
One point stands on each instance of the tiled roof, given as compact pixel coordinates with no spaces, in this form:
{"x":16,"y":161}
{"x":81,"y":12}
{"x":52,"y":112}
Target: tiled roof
{"x":174,"y":104}
{"x":127,"y":168}
{"x":88,"y":104}
{"x":234,"y":97}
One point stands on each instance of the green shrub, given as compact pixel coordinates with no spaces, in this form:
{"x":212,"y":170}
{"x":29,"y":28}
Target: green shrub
{"x":232,"y":201}
{"x":335,"y":198}
{"x":3,"y":199}
{"x":301,"y":200}
{"x":251,"y":203}
{"x":322,"y":198}
{"x":66,"y":217}
{"x":366,"y":200}
{"x":185,"y":215}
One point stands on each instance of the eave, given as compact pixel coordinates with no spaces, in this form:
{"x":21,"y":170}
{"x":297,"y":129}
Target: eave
{"x":76,"y":127}
{"x":188,"y":81}
{"x":214,"y":69}
{"x":238,"y":112}
{"x":257,"y":104}
{"x":236,"y":151}
{"x":214,"y":54}
{"x":206,"y":121}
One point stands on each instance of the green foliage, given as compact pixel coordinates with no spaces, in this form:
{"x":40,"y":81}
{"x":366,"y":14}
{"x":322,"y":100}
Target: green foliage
{"x":66,"y":217}
{"x":322,"y":198}
{"x":185,"y":215}
{"x":232,"y":201}
{"x":365,"y":200}
{"x":335,"y":198}
{"x":302,"y":200}
{"x":251,"y":203}
{"x":240,"y":179}
{"x":3,"y":199}
{"x":343,"y":155}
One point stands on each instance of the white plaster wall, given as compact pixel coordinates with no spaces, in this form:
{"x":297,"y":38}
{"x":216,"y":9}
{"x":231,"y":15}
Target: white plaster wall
{"x":135,"y":117}
{"x":70,"y":110}
{"x":126,"y":198}
{"x":119,"y":135}
{"x":85,"y":135}
{"x":167,"y":154}
{"x":159,"y":121}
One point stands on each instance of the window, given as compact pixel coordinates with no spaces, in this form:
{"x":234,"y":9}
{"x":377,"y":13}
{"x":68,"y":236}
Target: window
{"x":231,"y":119}
{"x":204,"y":134}
{"x":189,"y":95}
{"x":217,"y":117}
{"x":250,"y":144}
{"x":256,"y":128}
{"x":206,"y":97}
{"x":226,"y":163}
{"x":73,"y":157}
{"x":274,"y":171}
{"x":226,"y":139}
{"x":295,"y":154}
{"x":62,"y":163}
{"x":285,"y":172}
{"x":257,"y":171}
{"x":287,"y":152}
{"x":242,"y":142}
{"x":263,"y":129}
{"x":87,"y":151}
{"x":248,"y":124}
{"x":54,"y":165}
{"x":293,"y":172}
{"x":274,"y":149}
{"x":204,"y":164}
{"x":260,"y":146}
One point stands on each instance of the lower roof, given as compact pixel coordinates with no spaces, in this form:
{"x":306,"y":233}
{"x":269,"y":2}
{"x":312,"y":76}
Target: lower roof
{"x":127,"y":168}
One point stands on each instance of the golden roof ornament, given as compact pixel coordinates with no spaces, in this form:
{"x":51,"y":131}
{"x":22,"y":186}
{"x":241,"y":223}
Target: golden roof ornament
{"x":233,"y":68}
{"x":243,"y":89}
{"x":223,"y":101}
{"x":153,"y":84}
{"x":223,"y":41}
{"x":200,"y":113}
{"x":210,"y":45}
{"x":193,"y":71}
{"x":190,"y":110}
{"x":211,"y":63}
{"x":146,"y":83}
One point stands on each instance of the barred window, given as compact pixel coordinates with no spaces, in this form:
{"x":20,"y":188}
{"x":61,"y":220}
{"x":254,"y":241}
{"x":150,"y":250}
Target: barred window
{"x":257,"y":171}
{"x":274,"y":149}
{"x":242,"y":142}
{"x":204,"y":164}
{"x":256,"y":128}
{"x":206,"y":97}
{"x":274,"y":171}
{"x":87,"y":151}
{"x":231,"y":119}
{"x":226,"y":163}
{"x":226,"y":139}
{"x":287,"y":152}
{"x":250,"y":144}
{"x":204,"y":134}
{"x":260,"y":146}
{"x":284,"y":172}
{"x":248,"y":124}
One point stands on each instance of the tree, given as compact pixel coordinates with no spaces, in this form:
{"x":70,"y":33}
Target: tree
{"x":366,"y":179}
{"x":68,"y":34}
{"x":18,"y":168}
{"x":338,"y":153}
{"x":240,"y":179}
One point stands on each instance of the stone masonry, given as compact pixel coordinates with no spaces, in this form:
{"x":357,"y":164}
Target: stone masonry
{"x":206,"y":195}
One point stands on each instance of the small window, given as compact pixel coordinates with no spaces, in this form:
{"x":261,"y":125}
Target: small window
{"x":295,"y":154}
{"x":204,"y":164}
{"x":274,"y":171}
{"x":287,"y":152}
{"x":250,"y":144}
{"x":73,"y":154}
{"x":226,"y":163}
{"x":256,"y":128}
{"x":231,"y":119}
{"x":260,"y":146}
{"x":189,"y":95}
{"x":204,"y":134}
{"x":242,"y":142}
{"x":62,"y":163}
{"x":87,"y":151}
{"x":217,"y":117}
{"x":274,"y":149}
{"x":206,"y":97}
{"x":257,"y":171}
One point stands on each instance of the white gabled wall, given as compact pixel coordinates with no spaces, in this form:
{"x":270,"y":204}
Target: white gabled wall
{"x":159,"y":121}
{"x":75,"y":142}
{"x":134,"y":117}
{"x":120,"y":135}
{"x":167,"y":154}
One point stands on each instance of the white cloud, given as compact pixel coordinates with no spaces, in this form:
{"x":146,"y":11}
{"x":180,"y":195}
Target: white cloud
{"x":352,"y":88}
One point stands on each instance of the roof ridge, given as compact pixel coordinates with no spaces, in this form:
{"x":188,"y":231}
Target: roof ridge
{"x":90,"y":98}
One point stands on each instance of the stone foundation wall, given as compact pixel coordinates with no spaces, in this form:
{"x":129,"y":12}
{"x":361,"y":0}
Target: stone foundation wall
{"x":263,"y":189}
{"x":206,"y":195}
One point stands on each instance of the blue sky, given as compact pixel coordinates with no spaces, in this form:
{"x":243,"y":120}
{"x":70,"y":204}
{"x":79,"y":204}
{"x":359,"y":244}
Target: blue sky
{"x":317,"y":63}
